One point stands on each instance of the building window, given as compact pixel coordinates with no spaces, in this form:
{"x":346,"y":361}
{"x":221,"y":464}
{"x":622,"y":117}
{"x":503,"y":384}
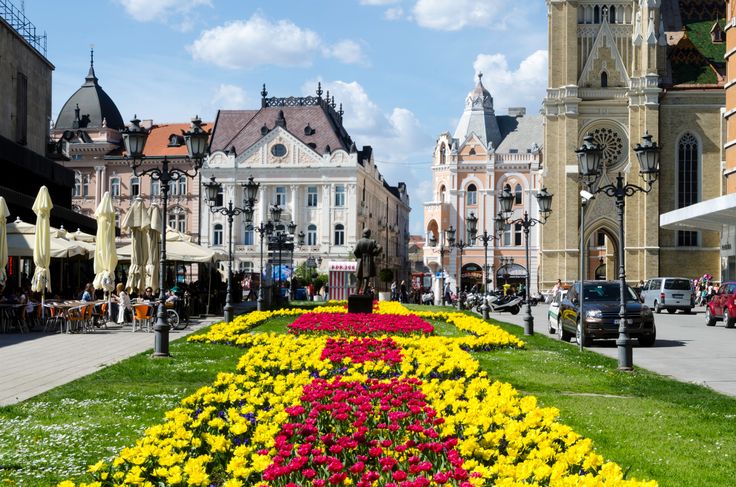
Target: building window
{"x":507,"y":234}
{"x":688,"y":182}
{"x":472,"y":195}
{"x":248,"y":236}
{"x":312,"y":234}
{"x":246,"y":267}
{"x":21,"y":109}
{"x":155,"y":187}
{"x":178,"y":219}
{"x":135,"y":186}
{"x":601,"y":237}
{"x":85,"y":185}
{"x":281,"y":195}
{"x":604,"y":79}
{"x":340,"y":195}
{"x":442,"y":194}
{"x":220,"y":199}
{"x":596,"y":15}
{"x":115,"y":186}
{"x":517,"y":194}
{"x":217,"y":235}
{"x":77,"y":190}
{"x":311,"y":196}
{"x":339,"y":234}
{"x":517,"y":234}
{"x":278,"y":150}
{"x":182,"y":186}
{"x":443,"y":154}
{"x":178,"y":187}
{"x":612,"y":14}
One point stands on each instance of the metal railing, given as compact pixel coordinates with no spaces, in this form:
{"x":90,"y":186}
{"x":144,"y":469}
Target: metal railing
{"x":18,"y":21}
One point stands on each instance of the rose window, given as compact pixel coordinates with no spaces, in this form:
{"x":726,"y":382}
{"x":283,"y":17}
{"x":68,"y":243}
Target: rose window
{"x":611,"y":143}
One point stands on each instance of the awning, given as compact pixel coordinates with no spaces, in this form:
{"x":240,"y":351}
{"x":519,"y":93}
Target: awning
{"x":706,"y":215}
{"x":180,"y":248}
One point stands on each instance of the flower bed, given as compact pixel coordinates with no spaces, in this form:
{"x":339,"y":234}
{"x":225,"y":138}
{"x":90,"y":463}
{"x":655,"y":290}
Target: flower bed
{"x":359,"y":324}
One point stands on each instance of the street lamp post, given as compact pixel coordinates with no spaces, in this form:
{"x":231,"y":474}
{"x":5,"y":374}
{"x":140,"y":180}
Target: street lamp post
{"x":442,"y":251}
{"x":589,"y":168}
{"x":506,"y":201}
{"x":460,"y":245}
{"x":212,"y":188}
{"x":485,"y":238}
{"x":282,"y":241}
{"x":134,"y":138}
{"x":264,"y":229}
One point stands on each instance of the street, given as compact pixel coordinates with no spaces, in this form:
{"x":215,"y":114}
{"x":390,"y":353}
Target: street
{"x":686,"y":349}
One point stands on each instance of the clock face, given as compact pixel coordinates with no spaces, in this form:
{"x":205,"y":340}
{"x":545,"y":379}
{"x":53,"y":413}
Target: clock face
{"x":278,"y":150}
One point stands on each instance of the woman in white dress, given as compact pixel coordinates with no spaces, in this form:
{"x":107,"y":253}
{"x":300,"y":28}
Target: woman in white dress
{"x":123,"y":300}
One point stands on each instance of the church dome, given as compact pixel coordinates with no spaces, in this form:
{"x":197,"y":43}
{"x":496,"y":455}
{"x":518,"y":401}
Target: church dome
{"x":89,"y":107}
{"x":479,"y":97}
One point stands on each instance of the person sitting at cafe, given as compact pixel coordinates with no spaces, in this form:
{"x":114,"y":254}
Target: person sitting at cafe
{"x":89,"y":293}
{"x":148,"y":294}
{"x":125,"y":308}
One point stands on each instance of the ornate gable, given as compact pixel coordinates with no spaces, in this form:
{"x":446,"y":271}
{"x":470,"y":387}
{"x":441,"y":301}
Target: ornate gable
{"x":604,"y":58}
{"x":278,"y":147}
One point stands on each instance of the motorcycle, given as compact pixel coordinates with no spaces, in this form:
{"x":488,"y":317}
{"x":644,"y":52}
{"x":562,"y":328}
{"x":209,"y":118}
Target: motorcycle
{"x":499,"y":303}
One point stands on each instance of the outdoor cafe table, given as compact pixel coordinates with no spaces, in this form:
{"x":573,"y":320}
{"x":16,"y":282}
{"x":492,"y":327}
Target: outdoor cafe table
{"x":64,"y":306}
{"x":8,"y":313}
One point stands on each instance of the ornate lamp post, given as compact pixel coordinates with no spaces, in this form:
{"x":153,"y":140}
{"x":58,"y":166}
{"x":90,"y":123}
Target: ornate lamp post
{"x":589,"y":168}
{"x":442,"y":250}
{"x":506,"y":201}
{"x":485,"y":238}
{"x":212,"y":188}
{"x":460,"y":246}
{"x":264,"y":229}
{"x":134,"y":138}
{"x":282,"y":241}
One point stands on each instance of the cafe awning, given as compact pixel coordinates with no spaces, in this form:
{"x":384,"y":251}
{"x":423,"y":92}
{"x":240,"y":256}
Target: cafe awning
{"x":707,"y":215}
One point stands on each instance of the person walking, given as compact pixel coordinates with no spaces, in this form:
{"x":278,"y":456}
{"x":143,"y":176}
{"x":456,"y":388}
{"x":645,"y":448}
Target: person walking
{"x":393,"y":291}
{"x":448,"y":294}
{"x":122,"y":298}
{"x":402,"y":289}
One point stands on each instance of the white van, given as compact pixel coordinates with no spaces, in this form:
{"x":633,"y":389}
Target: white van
{"x":670,"y":293}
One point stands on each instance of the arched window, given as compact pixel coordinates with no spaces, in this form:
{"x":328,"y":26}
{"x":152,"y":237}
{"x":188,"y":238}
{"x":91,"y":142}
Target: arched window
{"x":135,"y":186}
{"x":604,"y":79}
{"x":443,"y":153}
{"x":442,"y":193}
{"x":312,"y":234}
{"x":596,"y":15}
{"x":248,"y":236}
{"x":217,"y":235}
{"x":517,"y":194}
{"x":339,"y":234}
{"x":178,"y":219}
{"x":472,"y":195}
{"x":77,"y":191}
{"x":688,"y":182}
{"x":612,"y":14}
{"x":115,"y":186}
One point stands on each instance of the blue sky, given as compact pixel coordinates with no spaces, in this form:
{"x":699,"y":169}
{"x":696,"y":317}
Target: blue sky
{"x":401,"y":68}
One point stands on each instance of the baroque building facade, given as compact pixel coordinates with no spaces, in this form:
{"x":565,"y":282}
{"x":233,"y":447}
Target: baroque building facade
{"x":307,"y":163}
{"x":470,"y":168}
{"x":618,"y":70}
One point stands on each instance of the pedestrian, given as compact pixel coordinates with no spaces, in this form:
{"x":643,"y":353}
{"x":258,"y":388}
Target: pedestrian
{"x":125,"y":308}
{"x":447,"y":297}
{"x":402,"y":289}
{"x":393,"y":291}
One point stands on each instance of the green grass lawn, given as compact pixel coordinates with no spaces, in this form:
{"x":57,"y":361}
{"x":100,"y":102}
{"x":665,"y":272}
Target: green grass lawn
{"x":678,"y":434}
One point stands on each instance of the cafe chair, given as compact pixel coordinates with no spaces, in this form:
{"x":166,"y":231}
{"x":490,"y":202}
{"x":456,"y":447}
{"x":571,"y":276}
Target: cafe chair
{"x":54,"y":317}
{"x":142,"y":315}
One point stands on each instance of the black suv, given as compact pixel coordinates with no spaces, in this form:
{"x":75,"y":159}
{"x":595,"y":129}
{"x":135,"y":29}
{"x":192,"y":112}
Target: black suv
{"x":601,"y":304}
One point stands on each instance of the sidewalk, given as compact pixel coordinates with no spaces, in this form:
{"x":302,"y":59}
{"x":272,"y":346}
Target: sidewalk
{"x":33,"y":363}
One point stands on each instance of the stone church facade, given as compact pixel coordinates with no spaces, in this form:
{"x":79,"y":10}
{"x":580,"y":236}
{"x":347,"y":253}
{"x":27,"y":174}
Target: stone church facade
{"x":618,"y":70}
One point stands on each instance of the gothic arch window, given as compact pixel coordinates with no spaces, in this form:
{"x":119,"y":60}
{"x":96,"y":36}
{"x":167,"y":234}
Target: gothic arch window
{"x":472,"y":195}
{"x":688,"y":182}
{"x":442,"y":193}
{"x":443,"y":153}
{"x":604,"y":79}
{"x":612,"y":14}
{"x":596,"y":15}
{"x":517,"y":194}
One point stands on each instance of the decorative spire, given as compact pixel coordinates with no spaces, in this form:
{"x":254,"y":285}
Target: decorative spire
{"x":264,"y":94}
{"x":333,"y":104}
{"x":480,"y":77}
{"x":91,"y":78}
{"x":340,"y":111}
{"x":319,"y":89}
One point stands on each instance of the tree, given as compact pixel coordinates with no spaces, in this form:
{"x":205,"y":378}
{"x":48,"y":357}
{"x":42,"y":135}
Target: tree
{"x":386,"y":275}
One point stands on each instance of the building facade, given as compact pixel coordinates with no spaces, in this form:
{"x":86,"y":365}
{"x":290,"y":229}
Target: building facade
{"x":470,"y":169}
{"x":306,"y":162}
{"x":618,"y":70}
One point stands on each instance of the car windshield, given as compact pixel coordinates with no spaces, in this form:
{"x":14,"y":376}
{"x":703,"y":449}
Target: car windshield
{"x":677,"y":284}
{"x":607,"y":292}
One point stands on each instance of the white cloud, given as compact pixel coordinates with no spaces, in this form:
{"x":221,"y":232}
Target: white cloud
{"x":454,"y":15}
{"x":378,"y":2}
{"x":394,"y":13}
{"x":149,"y":10}
{"x":524,"y":86}
{"x":259,"y":41}
{"x":229,"y":97}
{"x":346,"y":51}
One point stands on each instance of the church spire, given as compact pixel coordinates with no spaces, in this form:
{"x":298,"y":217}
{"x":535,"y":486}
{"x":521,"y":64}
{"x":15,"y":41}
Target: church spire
{"x":91,"y":78}
{"x":479,"y":117}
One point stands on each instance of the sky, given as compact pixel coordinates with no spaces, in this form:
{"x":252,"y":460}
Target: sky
{"x":401,"y":68}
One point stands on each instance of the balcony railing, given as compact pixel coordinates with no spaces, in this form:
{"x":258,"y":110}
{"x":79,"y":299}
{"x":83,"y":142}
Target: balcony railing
{"x":18,"y":21}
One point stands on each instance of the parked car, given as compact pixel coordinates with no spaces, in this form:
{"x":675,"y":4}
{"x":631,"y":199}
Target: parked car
{"x":553,"y":315}
{"x":601,"y":303}
{"x":721,"y":307}
{"x":670,"y":293}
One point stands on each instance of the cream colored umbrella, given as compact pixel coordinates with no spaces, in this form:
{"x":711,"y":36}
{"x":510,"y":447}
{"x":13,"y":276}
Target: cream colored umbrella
{"x":137,"y":220}
{"x":153,"y":268}
{"x":41,"y":281}
{"x":106,"y":257}
{"x":4,"y":214}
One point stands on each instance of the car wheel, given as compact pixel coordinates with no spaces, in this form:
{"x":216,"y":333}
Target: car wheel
{"x":587,"y":342}
{"x":560,"y":331}
{"x":709,"y":319}
{"x":550,"y":329}
{"x":648,"y":340}
{"x":657,"y":308}
{"x":515,"y":310}
{"x":687,"y":311}
{"x":671,"y":310}
{"x":727,"y":318}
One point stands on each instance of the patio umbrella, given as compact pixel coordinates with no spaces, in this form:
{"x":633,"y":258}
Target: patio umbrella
{"x":137,"y":220}
{"x":42,"y":242}
{"x":4,"y":214}
{"x":154,"y":241}
{"x":106,"y":257}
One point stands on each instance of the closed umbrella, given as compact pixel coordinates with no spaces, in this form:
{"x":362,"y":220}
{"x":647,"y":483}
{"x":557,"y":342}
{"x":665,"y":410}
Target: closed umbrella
{"x":4,"y":214}
{"x":136,"y":220}
{"x":153,"y":267}
{"x":42,"y":242}
{"x":106,"y":257}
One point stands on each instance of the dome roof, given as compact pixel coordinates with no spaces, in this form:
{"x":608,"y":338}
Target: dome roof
{"x":89,"y":106}
{"x":479,"y":97}
{"x":478,"y":117}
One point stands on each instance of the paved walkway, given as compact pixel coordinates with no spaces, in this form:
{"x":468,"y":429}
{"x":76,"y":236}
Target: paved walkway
{"x":35,"y":362}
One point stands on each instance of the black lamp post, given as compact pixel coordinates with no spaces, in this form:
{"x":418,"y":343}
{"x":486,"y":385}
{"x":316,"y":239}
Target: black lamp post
{"x":485,"y":238}
{"x":506,"y":201}
{"x":442,"y":250}
{"x":212,"y":188}
{"x":264,"y":229}
{"x":134,"y":138}
{"x":460,"y":246}
{"x":589,"y":168}
{"x":282,"y":241}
